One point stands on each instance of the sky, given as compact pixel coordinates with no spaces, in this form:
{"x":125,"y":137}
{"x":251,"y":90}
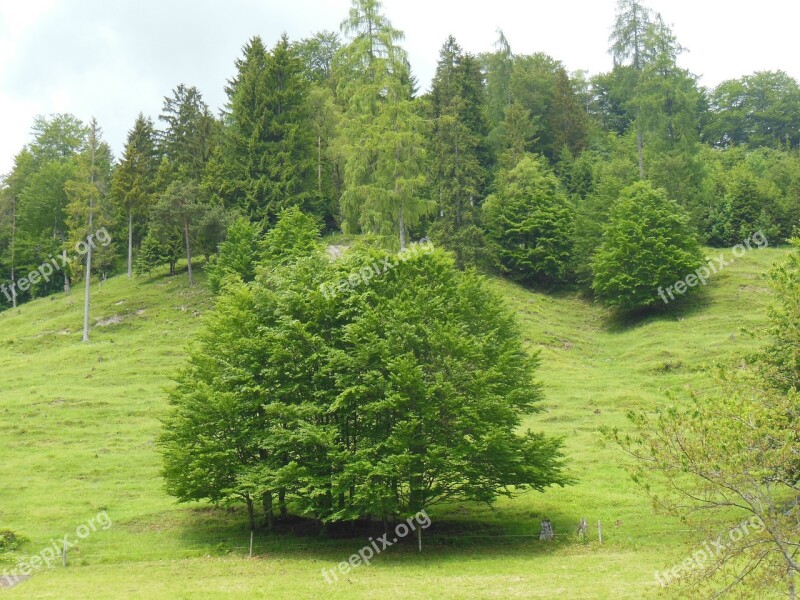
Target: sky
{"x":114,"y":59}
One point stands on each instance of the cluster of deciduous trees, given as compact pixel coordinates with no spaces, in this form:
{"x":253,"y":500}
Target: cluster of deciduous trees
{"x":376,"y":404}
{"x":510,"y":161}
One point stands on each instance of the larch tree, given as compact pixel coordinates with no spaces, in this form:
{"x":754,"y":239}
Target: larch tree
{"x":133,"y":184}
{"x":88,"y":209}
{"x":629,"y":46}
{"x":384,"y":132}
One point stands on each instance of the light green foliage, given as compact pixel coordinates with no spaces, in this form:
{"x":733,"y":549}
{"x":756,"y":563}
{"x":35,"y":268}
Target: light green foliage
{"x":296,"y":234}
{"x":531,"y":220}
{"x":647,"y":245}
{"x":780,"y":359}
{"x":401,"y":395}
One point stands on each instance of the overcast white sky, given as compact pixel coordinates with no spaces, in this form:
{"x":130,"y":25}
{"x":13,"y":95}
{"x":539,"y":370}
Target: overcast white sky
{"x":113,"y":59}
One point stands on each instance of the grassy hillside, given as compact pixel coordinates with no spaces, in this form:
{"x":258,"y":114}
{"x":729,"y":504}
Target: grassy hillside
{"x":78,"y":423}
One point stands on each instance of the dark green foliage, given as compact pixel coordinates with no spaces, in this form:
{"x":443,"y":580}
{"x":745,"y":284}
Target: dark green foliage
{"x":647,"y":245}
{"x":189,"y":139}
{"x":531,"y":220}
{"x":762,"y":109}
{"x":457,"y":155}
{"x":265,"y":162}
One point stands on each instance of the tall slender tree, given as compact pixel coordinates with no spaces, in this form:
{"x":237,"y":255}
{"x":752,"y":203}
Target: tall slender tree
{"x":88,"y":208}
{"x":133,"y":184}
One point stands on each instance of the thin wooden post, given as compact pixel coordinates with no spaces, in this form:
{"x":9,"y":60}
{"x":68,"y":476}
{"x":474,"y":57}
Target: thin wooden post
{"x":419,"y":537}
{"x":600,"y":531}
{"x":251,"y":543}
{"x":64,"y":554}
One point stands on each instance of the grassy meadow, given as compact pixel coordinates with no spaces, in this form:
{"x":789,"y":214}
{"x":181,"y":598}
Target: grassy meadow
{"x":78,"y":424}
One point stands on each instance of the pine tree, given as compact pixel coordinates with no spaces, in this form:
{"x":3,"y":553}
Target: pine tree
{"x":456,"y":152}
{"x":265,"y":162}
{"x":189,"y":138}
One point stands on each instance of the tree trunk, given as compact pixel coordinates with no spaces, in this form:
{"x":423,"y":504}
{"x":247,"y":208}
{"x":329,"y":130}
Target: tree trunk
{"x":87,"y":291}
{"x":282,"y":502}
{"x":792,"y":592}
{"x":251,"y":517}
{"x":87,"y":288}
{"x":269,"y":513}
{"x":13,"y":250}
{"x":67,"y":287}
{"x":130,"y":244}
{"x":188,"y":248}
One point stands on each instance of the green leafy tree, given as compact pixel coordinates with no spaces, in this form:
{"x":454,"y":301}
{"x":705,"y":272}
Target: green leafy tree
{"x":531,"y":220}
{"x":237,"y":255}
{"x":178,"y":212}
{"x":647,"y":245}
{"x":384,"y":402}
{"x":780,"y":359}
{"x":295,"y":234}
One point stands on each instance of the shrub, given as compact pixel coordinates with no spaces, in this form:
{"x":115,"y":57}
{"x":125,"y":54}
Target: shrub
{"x":647,"y":244}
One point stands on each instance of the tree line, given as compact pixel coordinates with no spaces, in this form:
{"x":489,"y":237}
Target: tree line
{"x":510,"y":161}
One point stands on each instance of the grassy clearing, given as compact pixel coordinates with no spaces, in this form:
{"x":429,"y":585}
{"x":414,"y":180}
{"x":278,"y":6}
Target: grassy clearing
{"x":78,"y":423}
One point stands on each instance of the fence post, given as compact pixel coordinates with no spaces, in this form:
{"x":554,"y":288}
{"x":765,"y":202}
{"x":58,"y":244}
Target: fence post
{"x":251,"y":543}
{"x":64,"y":554}
{"x":600,"y":531}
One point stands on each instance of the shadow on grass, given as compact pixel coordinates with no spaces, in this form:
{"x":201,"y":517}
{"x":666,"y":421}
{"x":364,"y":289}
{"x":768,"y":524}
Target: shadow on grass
{"x":682,"y":308}
{"x":223,"y":532}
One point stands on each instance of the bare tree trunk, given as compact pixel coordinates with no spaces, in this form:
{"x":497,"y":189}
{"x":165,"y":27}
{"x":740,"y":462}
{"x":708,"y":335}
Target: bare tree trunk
{"x":88,"y":288}
{"x":13,"y":251}
{"x":130,"y":244}
{"x":269,"y":511}
{"x":188,"y":248}
{"x":67,"y":285}
{"x":90,"y":243}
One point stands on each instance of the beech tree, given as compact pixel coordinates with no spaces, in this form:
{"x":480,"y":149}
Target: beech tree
{"x":647,"y":246}
{"x":380,"y":402}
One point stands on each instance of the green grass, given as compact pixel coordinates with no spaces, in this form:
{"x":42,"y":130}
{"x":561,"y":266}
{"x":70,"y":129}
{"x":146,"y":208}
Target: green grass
{"x":78,"y":424}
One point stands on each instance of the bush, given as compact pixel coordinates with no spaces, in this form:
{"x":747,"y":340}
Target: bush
{"x":647,"y":245}
{"x":9,"y":540}
{"x":531,"y":220}
{"x":237,"y":255}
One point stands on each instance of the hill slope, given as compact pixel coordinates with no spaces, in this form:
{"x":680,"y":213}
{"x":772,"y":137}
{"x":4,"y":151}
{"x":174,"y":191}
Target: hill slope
{"x":78,"y":422}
